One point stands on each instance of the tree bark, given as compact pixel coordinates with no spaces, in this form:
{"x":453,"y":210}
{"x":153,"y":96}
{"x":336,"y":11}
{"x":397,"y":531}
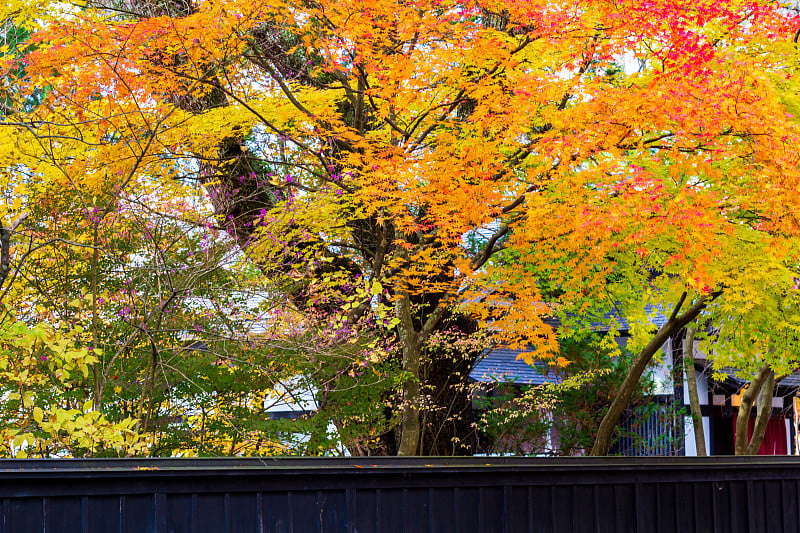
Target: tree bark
{"x":741,"y":446}
{"x":605,"y":432}
{"x":764,"y":407}
{"x":691,"y":381}
{"x":410,"y":428}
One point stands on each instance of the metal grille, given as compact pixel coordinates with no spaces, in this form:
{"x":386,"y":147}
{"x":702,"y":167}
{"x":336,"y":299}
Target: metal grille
{"x":650,"y":430}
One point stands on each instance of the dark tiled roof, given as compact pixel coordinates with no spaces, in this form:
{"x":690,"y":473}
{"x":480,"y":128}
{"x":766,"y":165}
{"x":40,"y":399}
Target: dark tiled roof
{"x":501,"y":364}
{"x":598,"y":322}
{"x":792,"y":380}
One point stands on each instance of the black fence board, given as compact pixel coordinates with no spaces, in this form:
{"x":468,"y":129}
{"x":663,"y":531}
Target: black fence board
{"x":492,"y":509}
{"x":139,"y":514}
{"x":275,"y":512}
{"x":104,"y":514}
{"x":467,"y":510}
{"x":391,"y":510}
{"x":665,"y":518}
{"x":721,"y":507}
{"x":789,"y":506}
{"x":366,"y":509}
{"x":243,"y":512}
{"x":178,"y":511}
{"x":541,"y":508}
{"x":703,"y":508}
{"x":626,"y":503}
{"x":584,"y":522}
{"x":63,"y":515}
{"x":305,"y":511}
{"x":740,"y":508}
{"x":416,"y":518}
{"x":443,"y":510}
{"x":562,"y":508}
{"x":24,"y":515}
{"x":210,"y":513}
{"x":605,"y":508}
{"x":773,"y":508}
{"x":684,"y":504}
{"x":755,"y":504}
{"x":333,"y":514}
{"x":516,"y":509}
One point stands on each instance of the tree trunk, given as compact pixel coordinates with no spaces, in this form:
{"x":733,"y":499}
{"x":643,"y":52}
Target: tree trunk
{"x":605,"y":432}
{"x":764,"y":407}
{"x":741,"y":446}
{"x":410,"y":428}
{"x":691,"y":381}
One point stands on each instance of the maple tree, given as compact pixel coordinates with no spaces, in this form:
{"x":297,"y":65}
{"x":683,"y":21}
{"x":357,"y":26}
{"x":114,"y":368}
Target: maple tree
{"x":405,"y":169}
{"x":118,"y":279}
{"x":758,"y":341}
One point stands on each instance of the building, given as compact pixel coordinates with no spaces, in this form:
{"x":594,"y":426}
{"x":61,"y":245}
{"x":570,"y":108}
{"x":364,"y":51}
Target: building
{"x":663,"y":426}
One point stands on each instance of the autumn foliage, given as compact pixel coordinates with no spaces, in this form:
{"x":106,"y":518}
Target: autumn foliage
{"x":393,"y":171}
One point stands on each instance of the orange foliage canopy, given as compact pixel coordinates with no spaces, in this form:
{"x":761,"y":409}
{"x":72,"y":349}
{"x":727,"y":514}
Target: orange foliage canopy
{"x":502,"y":155}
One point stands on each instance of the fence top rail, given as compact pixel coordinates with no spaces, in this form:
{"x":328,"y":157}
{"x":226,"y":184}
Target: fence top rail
{"x":400,"y":464}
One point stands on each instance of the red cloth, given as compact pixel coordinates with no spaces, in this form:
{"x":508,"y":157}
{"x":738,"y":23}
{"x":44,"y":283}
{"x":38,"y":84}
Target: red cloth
{"x":774,"y":442}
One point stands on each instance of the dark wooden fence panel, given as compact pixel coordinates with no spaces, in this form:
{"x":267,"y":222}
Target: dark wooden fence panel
{"x":403,"y":495}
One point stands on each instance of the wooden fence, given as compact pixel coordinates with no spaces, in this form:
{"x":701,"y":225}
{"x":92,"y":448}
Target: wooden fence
{"x":386,"y":495}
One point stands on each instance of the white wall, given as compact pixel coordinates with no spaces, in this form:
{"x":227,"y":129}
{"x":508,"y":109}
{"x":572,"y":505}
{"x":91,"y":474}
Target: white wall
{"x":662,"y":371}
{"x":702,"y":388}
{"x":688,"y":431}
{"x":702,"y":395}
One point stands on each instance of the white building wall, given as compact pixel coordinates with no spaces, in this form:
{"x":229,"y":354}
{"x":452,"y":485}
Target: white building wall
{"x":662,"y":372}
{"x":702,"y":388}
{"x":688,"y":431}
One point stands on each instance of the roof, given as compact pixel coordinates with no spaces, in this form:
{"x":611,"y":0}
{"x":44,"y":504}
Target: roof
{"x":703,"y":364}
{"x":598,"y":322}
{"x":501,"y":364}
{"x":790,"y":381}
